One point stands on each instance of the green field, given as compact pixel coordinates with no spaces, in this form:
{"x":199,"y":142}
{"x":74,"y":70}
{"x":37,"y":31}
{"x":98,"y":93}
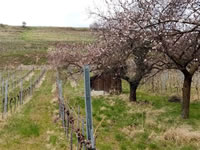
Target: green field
{"x":152,"y":123}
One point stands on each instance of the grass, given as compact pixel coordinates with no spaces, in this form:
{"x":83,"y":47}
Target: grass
{"x":24,"y":127}
{"x":30,"y":45}
{"x":152,"y":123}
{"x":33,"y":127}
{"x":148,"y":124}
{"x":57,"y":35}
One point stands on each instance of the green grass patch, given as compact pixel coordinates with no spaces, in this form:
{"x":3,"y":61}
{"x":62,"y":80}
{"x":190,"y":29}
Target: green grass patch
{"x":53,"y":139}
{"x":140,"y":125}
{"x":33,"y":127}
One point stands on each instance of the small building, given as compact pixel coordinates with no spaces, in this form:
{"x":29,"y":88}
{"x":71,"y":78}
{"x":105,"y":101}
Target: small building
{"x":106,"y":82}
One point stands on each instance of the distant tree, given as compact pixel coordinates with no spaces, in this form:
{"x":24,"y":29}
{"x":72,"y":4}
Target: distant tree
{"x":23,"y":24}
{"x":95,"y":26}
{"x":2,"y":25}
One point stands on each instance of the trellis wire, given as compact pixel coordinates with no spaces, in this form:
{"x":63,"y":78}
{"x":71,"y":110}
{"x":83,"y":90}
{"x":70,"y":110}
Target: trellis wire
{"x":8,"y":102}
{"x":170,"y":82}
{"x":68,"y":117}
{"x":11,"y":82}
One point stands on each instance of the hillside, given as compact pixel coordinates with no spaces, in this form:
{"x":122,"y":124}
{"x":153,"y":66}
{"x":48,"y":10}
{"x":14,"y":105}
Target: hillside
{"x":29,"y":45}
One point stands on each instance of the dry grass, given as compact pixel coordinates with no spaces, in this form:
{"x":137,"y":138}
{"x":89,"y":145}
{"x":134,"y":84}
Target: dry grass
{"x":182,"y":135}
{"x":154,"y":113}
{"x":132,"y":131}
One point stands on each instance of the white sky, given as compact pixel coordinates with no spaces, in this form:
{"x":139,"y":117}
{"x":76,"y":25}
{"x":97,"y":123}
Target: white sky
{"x":70,"y":13}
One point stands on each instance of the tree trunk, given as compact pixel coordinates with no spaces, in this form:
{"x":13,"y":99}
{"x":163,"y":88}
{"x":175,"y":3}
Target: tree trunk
{"x":133,"y":89}
{"x":186,"y":96}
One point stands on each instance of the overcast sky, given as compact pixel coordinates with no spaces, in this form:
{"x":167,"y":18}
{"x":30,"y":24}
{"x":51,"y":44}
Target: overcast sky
{"x":70,"y":13}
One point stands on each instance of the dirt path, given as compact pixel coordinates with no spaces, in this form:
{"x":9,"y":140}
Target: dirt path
{"x":33,"y":128}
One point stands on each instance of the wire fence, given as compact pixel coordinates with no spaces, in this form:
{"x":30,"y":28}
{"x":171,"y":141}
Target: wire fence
{"x":73,"y":123}
{"x":13,"y":82}
{"x":18,"y":98}
{"x":171,"y":83}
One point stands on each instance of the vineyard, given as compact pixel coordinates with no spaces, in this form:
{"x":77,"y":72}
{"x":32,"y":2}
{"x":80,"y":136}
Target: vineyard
{"x":42,"y":109}
{"x":170,"y":83}
{"x":29,"y":93}
{"x":16,"y":87}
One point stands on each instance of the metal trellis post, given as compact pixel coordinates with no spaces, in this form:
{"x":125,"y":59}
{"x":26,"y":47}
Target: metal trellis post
{"x":88,"y":107}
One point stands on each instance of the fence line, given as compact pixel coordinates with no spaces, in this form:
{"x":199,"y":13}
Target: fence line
{"x":14,"y":83}
{"x":11,"y":103}
{"x":72,"y":122}
{"x":170,"y":82}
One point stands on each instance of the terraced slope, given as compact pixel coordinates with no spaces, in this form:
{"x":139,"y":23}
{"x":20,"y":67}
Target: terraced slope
{"x":29,"y":45}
